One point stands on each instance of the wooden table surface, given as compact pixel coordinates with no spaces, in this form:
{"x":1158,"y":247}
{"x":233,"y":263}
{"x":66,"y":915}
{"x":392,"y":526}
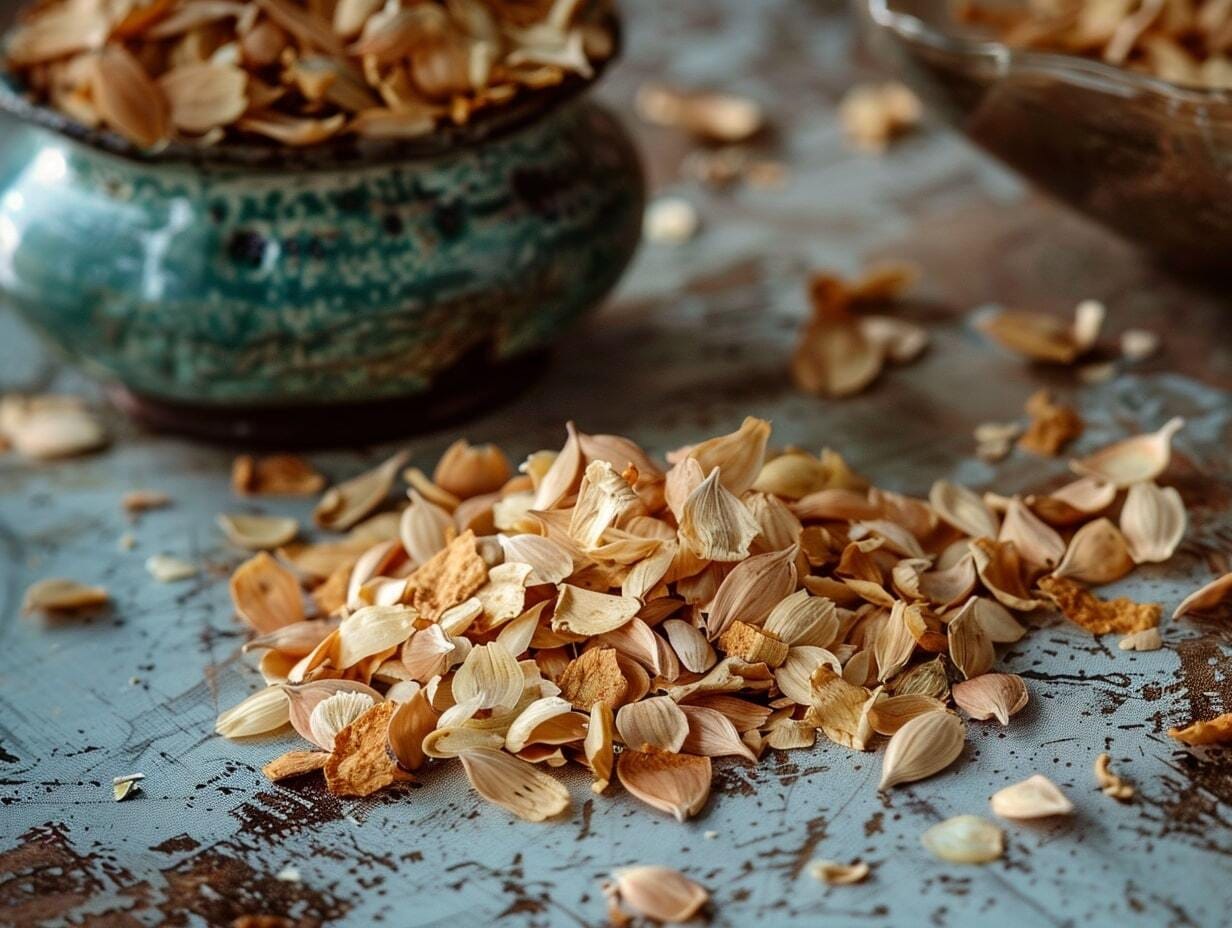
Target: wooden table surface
{"x":696,"y":338}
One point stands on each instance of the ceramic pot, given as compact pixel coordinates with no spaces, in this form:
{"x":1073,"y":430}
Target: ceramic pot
{"x":218,"y":288}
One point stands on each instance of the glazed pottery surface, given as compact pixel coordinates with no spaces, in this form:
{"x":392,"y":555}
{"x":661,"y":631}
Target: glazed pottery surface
{"x":220,"y":284}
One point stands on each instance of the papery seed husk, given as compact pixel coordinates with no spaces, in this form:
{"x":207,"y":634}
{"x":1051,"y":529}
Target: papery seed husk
{"x":837,"y":707}
{"x":1098,"y":553}
{"x":1148,"y":639}
{"x":1209,"y":731}
{"x":890,"y":713}
{"x":549,"y":720}
{"x":894,"y":644}
{"x":1037,"y":543}
{"x":712,"y":734}
{"x":796,"y":673}
{"x":127,"y":99}
{"x":690,"y":645}
{"x":1034,"y":797}
{"x":550,"y":560}
{"x":424,"y":528}
{"x":991,"y":695}
{"x":586,"y":612}
{"x":925,"y":745}
{"x":1153,"y":522}
{"x":835,"y":358}
{"x":660,"y":893}
{"x":1109,"y":783}
{"x":753,"y":588}
{"x":373,"y":629}
{"x":678,"y":784}
{"x":604,"y":500}
{"x":334,"y":713}
{"x":204,"y":96}
{"x":409,"y":724}
{"x":264,"y":711}
{"x":491,"y":674}
{"x":258,"y":533}
{"x":347,"y":503}
{"x":1033,"y":335}
{"x":965,"y":839}
{"x":971,"y":649}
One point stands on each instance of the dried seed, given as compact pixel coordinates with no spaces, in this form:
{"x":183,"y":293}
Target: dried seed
{"x":965,"y":839}
{"x":970,"y":646}
{"x":1035,"y":797}
{"x":258,"y":533}
{"x":963,"y":509}
{"x":660,"y":893}
{"x":264,"y":711}
{"x":167,"y":569}
{"x":347,"y":503}
{"x":832,"y":873}
{"x":57,"y":594}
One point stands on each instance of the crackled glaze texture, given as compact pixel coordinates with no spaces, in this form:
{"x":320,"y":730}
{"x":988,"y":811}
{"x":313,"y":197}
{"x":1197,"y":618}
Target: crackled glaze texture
{"x":221,"y":285}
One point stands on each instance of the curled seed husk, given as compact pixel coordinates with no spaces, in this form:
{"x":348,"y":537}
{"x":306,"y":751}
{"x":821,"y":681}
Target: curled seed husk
{"x":605,"y":500}
{"x":794,"y":676}
{"x":1132,"y":460}
{"x":838,"y":708}
{"x":1109,"y":783}
{"x":258,"y":533}
{"x":965,"y":839}
{"x":58,"y":594}
{"x":424,"y":528}
{"x":1033,"y":335}
{"x":991,"y":695}
{"x":1153,"y":522}
{"x":371,"y":630}
{"x":1098,"y":553}
{"x":660,"y":893}
{"x":803,"y":619}
{"x":925,"y":745}
{"x":410,"y":723}
{"x":832,"y":873}
{"x":344,"y":505}
{"x":548,"y":720}
{"x":549,"y":559}
{"x":1035,"y":797}
{"x":835,"y":358}
{"x":678,"y":784}
{"x":1075,"y":502}
{"x":927,"y":679}
{"x":792,"y":475}
{"x":335,"y":713}
{"x":276,"y":474}
{"x":1207,"y":598}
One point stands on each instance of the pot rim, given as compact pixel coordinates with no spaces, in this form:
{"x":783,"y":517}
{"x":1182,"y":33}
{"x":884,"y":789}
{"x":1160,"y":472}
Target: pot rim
{"x":340,"y":151}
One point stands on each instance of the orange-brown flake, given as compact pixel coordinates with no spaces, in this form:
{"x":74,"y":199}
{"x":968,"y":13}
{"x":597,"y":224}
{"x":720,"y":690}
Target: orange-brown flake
{"x":753,"y":645}
{"x":277,"y":474}
{"x":1099,"y":616}
{"x":1053,"y":426}
{"x":1211,"y":731}
{"x":595,"y":676}
{"x":447,"y":578}
{"x":360,"y":764}
{"x":294,"y":764}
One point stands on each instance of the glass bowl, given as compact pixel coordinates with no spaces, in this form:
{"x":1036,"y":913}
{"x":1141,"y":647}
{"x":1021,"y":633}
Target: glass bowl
{"x":1144,"y":157}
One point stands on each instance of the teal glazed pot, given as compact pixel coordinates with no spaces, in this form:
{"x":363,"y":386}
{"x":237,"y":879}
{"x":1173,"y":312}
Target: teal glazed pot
{"x":228,"y":290}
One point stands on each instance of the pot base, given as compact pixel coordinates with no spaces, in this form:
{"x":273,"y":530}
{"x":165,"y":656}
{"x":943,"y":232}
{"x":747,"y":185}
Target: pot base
{"x":474,"y":384}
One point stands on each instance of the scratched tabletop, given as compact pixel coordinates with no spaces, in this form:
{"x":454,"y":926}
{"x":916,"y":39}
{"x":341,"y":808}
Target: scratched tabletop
{"x":696,"y":338}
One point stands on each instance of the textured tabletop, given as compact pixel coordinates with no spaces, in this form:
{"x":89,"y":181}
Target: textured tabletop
{"x":696,"y":338}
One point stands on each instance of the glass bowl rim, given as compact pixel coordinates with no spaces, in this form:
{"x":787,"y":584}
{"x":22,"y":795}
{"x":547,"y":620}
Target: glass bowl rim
{"x":1090,"y":71}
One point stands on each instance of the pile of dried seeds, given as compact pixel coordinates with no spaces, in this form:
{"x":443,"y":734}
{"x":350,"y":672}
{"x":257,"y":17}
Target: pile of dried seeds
{"x":601,"y":610}
{"x":1182,"y":41}
{"x":298,"y":71}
